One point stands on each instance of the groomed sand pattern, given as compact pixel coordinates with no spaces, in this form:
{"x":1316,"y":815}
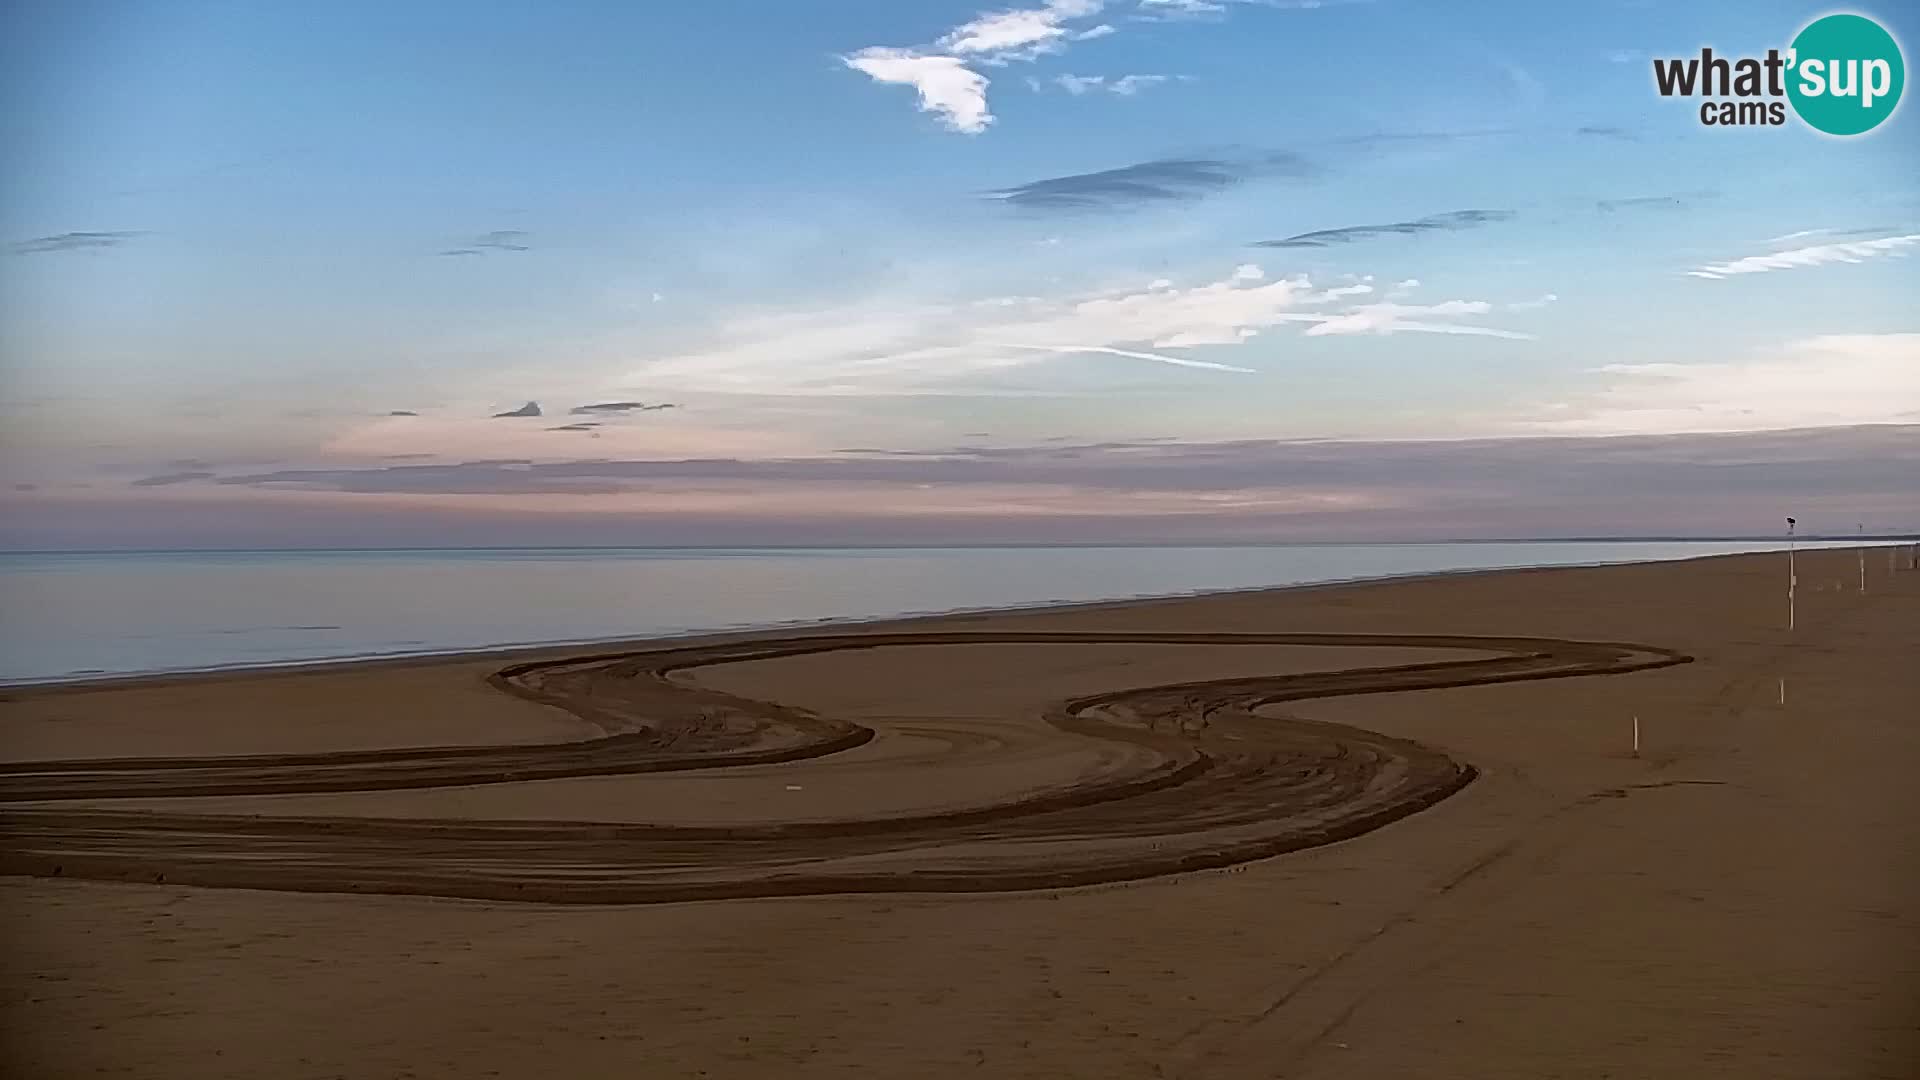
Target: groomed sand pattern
{"x":1209,"y":774}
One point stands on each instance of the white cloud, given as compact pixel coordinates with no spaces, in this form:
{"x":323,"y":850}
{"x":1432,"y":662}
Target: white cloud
{"x":1018,"y":34}
{"x":944,"y":71}
{"x":955,"y":92}
{"x":1800,"y":258}
{"x":1813,"y":382}
{"x":951,"y":89}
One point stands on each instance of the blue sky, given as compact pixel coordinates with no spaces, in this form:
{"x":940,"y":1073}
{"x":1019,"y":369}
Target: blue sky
{"x":242,"y":236}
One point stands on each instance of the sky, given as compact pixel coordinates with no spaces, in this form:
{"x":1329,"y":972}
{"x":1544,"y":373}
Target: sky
{"x":372,"y":274}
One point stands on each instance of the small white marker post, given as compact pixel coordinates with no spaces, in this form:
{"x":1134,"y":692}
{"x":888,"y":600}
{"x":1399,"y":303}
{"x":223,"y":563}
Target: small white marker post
{"x":1636,"y":736}
{"x":1783,"y":692}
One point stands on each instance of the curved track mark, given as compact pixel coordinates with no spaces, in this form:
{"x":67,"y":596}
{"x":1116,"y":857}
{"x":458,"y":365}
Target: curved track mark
{"x":1219,"y":785}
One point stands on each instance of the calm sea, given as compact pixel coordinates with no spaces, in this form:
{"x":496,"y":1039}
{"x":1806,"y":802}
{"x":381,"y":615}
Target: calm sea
{"x":69,"y":615}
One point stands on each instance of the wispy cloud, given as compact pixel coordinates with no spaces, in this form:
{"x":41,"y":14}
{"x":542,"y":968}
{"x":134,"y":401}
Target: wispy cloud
{"x":1805,"y":257}
{"x":1531,"y":465}
{"x":1134,"y":355}
{"x":1673,"y":484}
{"x":1820,"y":381}
{"x":1452,"y":221}
{"x":1387,"y":317}
{"x":895,"y":348}
{"x":70,"y":241}
{"x":1124,"y":86}
{"x":1605,"y":131}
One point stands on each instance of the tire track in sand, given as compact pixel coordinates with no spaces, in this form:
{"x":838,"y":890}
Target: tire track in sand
{"x":1218,"y":786}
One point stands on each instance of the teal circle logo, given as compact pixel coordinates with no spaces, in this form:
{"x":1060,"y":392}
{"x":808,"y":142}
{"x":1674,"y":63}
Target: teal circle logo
{"x":1845,"y":74}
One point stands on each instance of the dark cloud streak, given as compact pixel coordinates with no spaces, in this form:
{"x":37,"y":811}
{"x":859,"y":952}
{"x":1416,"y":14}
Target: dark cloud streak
{"x":1678,"y":201}
{"x":487,"y":242}
{"x":502,"y":240}
{"x":70,"y":241}
{"x":1149,"y":183}
{"x":169,"y":479}
{"x":1452,"y":221}
{"x":616,"y":407}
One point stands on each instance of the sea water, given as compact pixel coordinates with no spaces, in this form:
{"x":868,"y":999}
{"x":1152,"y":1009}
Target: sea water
{"x":83,"y":615}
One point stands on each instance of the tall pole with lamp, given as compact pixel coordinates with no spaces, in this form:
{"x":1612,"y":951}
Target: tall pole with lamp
{"x":1792,"y":579}
{"x":1860,"y":537}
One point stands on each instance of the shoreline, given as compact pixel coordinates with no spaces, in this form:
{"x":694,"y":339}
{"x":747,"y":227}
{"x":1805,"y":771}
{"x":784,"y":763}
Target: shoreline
{"x":512,"y":652}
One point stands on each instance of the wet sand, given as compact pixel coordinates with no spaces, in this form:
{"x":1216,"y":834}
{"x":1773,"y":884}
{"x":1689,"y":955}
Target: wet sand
{"x":1377,"y":829}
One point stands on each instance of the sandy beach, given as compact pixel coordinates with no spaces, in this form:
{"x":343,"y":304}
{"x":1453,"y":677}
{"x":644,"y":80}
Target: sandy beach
{"x":1378,"y":829}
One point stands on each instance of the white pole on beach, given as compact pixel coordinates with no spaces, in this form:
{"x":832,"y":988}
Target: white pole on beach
{"x":1860,"y":535}
{"x":1791,"y":579}
{"x":1636,"y":736}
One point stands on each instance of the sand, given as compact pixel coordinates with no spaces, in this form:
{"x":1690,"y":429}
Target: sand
{"x":1361,"y":830}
